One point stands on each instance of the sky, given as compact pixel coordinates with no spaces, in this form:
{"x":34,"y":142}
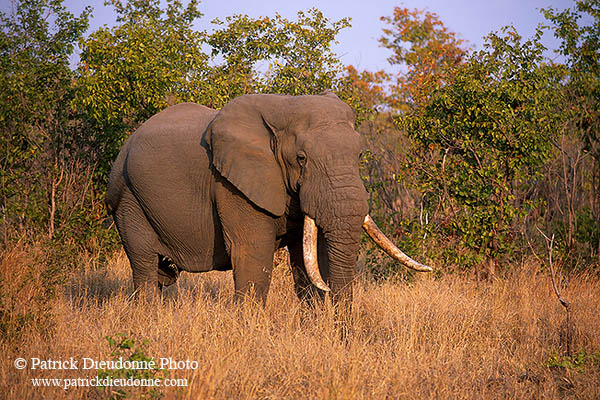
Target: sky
{"x":472,"y":20}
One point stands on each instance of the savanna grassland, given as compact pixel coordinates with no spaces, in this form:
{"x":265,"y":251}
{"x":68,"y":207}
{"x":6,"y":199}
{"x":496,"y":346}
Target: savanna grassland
{"x":477,"y":162}
{"x":450,"y":337}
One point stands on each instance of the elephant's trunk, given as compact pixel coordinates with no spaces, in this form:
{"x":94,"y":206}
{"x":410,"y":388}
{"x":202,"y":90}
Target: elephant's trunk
{"x":342,"y":252}
{"x":340,"y":215}
{"x":337,"y":201}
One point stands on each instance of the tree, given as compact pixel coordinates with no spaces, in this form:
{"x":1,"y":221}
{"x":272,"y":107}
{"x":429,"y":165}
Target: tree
{"x":480,"y":140}
{"x":152,"y":58}
{"x":276,"y":55}
{"x":580,"y":46}
{"x":36,"y":121}
{"x":424,"y":53}
{"x":427,"y":51}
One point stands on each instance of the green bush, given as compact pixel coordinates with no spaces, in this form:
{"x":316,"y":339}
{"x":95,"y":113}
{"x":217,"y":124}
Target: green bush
{"x":480,"y":139}
{"x":124,"y":348}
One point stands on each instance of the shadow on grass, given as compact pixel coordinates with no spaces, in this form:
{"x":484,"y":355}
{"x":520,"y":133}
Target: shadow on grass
{"x":99,"y":286}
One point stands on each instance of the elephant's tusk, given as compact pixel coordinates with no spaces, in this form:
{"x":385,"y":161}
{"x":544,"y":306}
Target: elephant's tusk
{"x":386,"y":244}
{"x":309,"y":246}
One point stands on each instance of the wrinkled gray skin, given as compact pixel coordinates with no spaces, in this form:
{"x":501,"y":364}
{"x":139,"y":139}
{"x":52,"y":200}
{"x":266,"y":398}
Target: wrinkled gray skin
{"x":216,"y":190}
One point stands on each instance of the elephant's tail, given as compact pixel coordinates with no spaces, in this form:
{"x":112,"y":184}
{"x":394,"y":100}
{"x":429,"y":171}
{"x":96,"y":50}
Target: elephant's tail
{"x":116,"y":181}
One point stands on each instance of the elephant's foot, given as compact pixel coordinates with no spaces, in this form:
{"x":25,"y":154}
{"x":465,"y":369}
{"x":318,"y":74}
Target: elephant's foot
{"x":168,"y":272}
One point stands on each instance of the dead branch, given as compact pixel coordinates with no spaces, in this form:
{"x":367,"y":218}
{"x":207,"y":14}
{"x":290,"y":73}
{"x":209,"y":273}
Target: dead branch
{"x":557,"y":286}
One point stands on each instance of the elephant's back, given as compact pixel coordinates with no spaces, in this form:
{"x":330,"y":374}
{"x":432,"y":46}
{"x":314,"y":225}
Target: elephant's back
{"x":169,"y":136}
{"x":187,"y":119}
{"x":191,"y":115}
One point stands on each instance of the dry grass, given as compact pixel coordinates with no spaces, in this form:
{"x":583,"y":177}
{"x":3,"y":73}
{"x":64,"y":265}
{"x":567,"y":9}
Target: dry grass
{"x":446,"y":338}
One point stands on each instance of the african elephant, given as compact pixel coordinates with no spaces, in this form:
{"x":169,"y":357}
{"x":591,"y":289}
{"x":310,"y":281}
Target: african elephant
{"x":195,"y":189}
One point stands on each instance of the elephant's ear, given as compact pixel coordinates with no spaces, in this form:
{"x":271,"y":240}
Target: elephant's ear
{"x":240,"y":139}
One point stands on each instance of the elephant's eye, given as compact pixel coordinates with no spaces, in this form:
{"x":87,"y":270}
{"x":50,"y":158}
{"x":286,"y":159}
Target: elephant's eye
{"x":301,"y":156}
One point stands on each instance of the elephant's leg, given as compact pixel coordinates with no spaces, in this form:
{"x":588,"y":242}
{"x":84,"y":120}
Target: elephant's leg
{"x":250,"y":241}
{"x":140,"y":243}
{"x":252,"y":266}
{"x":304,"y":288}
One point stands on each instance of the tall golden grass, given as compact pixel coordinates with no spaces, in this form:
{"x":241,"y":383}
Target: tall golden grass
{"x":450,"y":337}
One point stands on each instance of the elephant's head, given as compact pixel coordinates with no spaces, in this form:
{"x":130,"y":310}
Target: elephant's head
{"x":272,"y":147}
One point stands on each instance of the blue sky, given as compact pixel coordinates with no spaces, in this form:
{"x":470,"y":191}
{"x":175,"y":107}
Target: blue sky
{"x":470,"y":19}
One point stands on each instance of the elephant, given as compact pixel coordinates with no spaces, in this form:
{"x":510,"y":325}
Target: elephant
{"x":195,"y":189}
